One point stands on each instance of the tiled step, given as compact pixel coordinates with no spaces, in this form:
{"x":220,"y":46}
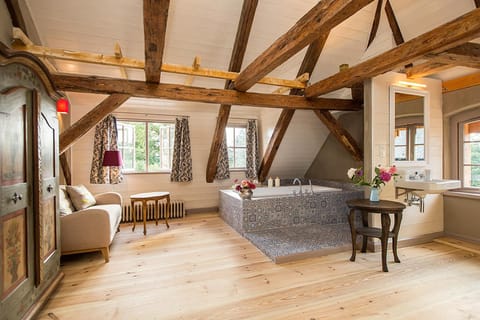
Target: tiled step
{"x":292,"y":243}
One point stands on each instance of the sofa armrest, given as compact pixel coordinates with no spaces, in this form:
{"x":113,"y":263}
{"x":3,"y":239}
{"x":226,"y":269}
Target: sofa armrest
{"x":109,"y":198}
{"x":85,"y":229}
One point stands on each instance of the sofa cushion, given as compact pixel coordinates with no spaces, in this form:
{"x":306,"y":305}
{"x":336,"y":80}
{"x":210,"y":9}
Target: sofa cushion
{"x":66,"y":206}
{"x":81,"y":197}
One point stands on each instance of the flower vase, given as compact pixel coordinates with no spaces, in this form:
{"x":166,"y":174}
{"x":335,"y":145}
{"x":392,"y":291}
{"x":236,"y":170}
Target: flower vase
{"x":246,"y":194}
{"x":374,"y":194}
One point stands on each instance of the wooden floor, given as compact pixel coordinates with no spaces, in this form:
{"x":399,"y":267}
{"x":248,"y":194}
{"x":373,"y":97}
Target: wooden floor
{"x":202,"y":269}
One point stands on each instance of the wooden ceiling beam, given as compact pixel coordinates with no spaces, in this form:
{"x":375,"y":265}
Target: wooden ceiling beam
{"x":467,"y":81}
{"x":141,"y":89}
{"x":244,"y":27}
{"x":375,"y":23}
{"x":16,"y":15}
{"x":319,"y":20}
{"x":19,"y":36}
{"x":307,"y":66}
{"x":102,"y":85}
{"x":97,"y":58}
{"x":119,"y":55}
{"x":155,"y":13}
{"x":88,"y":121}
{"x":195,"y":66}
{"x":449,"y":35}
{"x":467,"y":55}
{"x":274,"y":143}
{"x":392,"y":21}
{"x":302,"y":78}
{"x":342,"y":135}
{"x":425,"y":69}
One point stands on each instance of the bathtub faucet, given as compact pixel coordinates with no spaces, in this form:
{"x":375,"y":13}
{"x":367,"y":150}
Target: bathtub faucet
{"x":300,"y":184}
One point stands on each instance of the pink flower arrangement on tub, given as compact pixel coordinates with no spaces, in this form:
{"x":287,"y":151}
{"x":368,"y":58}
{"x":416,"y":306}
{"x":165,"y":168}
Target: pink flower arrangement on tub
{"x":243,"y":185}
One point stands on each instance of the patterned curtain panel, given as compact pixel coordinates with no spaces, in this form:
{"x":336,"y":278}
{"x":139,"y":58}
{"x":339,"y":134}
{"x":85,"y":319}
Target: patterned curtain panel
{"x":182,"y":155}
{"x":253,"y":156}
{"x":105,"y":139}
{"x":223,"y":169}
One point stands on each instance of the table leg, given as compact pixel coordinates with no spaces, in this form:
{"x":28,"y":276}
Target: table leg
{"x":384,"y":239}
{"x":365,"y":224}
{"x":156,"y":213}
{"x":351,"y":221}
{"x":396,"y":228}
{"x":134,"y":215}
{"x":144,"y":211}
{"x":167,"y":212}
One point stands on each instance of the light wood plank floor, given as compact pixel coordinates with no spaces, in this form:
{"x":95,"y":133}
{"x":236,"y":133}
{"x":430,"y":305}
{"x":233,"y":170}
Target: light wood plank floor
{"x":202,"y":269}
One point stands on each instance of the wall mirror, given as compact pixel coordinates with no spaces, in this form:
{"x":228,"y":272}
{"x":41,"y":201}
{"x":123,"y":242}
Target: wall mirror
{"x":408,"y":126}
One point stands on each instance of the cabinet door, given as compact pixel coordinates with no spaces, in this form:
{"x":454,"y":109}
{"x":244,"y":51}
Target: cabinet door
{"x":45,"y":149}
{"x":16,"y":202}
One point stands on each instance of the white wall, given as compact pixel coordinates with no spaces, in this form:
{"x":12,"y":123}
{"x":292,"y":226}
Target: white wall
{"x":303,"y":139}
{"x":377,"y":150}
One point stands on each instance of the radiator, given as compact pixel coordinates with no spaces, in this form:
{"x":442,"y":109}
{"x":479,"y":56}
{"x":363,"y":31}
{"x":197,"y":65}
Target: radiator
{"x":177,"y":210}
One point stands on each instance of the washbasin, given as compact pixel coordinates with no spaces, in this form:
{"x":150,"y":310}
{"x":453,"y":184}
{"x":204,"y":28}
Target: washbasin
{"x":434,"y":185}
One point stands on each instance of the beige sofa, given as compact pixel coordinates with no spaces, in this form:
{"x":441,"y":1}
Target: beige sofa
{"x":92,"y":228}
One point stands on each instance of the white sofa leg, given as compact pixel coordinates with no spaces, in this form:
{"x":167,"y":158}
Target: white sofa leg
{"x":106,"y":254}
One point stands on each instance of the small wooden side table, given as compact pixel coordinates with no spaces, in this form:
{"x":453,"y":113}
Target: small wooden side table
{"x":144,"y":198}
{"x":385,"y":208}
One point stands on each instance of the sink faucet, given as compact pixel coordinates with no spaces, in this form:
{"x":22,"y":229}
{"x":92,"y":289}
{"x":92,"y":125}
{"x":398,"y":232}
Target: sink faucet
{"x":299,"y":182}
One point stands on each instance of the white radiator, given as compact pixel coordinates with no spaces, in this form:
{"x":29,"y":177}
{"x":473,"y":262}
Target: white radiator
{"x":177,"y":210}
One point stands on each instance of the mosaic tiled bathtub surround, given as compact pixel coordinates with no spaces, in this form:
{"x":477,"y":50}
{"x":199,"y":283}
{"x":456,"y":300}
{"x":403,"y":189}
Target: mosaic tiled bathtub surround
{"x":292,"y":224}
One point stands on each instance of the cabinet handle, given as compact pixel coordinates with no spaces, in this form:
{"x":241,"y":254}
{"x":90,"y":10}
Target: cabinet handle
{"x":16,"y":197}
{"x":49,"y":188}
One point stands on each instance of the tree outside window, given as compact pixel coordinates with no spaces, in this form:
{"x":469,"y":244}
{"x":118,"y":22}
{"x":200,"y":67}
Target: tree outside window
{"x":146,"y":146}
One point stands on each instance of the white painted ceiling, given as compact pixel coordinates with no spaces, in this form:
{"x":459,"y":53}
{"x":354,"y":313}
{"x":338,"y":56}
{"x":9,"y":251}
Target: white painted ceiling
{"x":207,"y":28}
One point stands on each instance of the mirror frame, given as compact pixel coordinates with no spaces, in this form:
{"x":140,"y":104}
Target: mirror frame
{"x":426,"y":103}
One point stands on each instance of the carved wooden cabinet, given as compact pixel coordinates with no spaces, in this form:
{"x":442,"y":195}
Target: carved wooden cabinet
{"x":29,"y":219}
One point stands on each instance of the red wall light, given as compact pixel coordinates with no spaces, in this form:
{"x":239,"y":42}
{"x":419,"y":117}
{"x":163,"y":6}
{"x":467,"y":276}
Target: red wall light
{"x":62,"y":105}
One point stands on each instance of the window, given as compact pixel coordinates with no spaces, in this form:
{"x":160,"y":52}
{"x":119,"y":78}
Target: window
{"x":409,"y":143}
{"x":237,"y":146}
{"x":470,"y":165}
{"x":146,"y":146}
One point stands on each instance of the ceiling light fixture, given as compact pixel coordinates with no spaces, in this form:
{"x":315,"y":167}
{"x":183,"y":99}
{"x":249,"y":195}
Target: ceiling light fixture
{"x":412,"y":84}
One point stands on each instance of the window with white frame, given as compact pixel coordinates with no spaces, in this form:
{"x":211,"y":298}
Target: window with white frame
{"x":409,"y":143}
{"x":237,"y":146}
{"x":146,"y":146}
{"x":470,"y":153}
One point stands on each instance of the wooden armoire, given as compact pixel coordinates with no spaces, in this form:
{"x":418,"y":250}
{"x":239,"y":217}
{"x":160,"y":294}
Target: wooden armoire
{"x":29,"y":219}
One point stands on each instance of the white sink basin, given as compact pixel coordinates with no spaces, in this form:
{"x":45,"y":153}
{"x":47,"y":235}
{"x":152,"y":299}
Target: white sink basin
{"x":430,"y":185}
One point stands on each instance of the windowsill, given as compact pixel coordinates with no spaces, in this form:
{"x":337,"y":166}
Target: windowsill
{"x":463,"y":193}
{"x":237,"y":169}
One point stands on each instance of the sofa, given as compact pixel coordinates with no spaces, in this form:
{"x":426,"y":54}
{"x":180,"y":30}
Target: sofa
{"x":87,"y":222}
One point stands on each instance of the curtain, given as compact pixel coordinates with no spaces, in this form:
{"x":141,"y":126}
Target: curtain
{"x":253,"y":157}
{"x":105,"y":139}
{"x":182,"y":155}
{"x":223,"y":169}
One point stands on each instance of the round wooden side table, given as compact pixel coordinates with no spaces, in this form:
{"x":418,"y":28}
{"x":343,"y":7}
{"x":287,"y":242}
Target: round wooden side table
{"x":144,"y":198}
{"x":384,"y":208}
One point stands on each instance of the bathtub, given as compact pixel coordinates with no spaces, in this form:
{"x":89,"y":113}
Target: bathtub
{"x":278,"y":207}
{"x":264,"y":192}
